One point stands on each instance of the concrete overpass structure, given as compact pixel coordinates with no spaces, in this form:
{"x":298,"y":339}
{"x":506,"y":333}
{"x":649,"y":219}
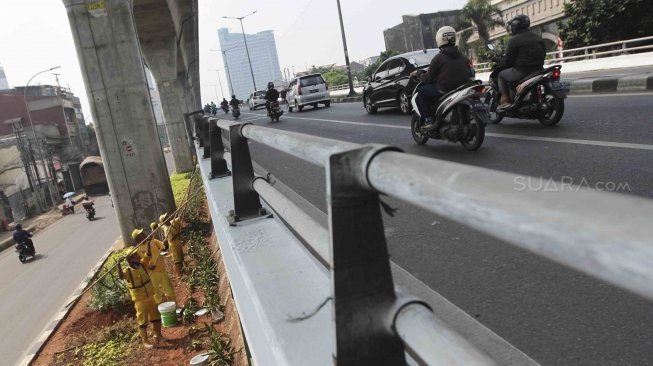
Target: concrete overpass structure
{"x":115,"y":41}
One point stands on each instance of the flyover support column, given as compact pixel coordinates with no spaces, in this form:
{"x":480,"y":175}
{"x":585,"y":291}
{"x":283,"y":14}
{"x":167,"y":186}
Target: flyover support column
{"x":109,"y":54}
{"x":173,"y":102}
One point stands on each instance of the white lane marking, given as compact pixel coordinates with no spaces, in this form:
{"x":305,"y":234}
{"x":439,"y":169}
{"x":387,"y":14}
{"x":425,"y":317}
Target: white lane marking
{"x":612,"y":95}
{"x":624,"y":145}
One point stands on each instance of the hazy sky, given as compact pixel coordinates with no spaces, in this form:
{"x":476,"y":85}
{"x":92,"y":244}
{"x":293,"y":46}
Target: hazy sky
{"x":35,"y":35}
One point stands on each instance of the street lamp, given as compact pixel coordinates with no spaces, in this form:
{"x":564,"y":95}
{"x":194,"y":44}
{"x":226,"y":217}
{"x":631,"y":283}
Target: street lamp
{"x":226,"y":65}
{"x":245,"y":39}
{"x":29,"y":117}
{"x":344,"y":45}
{"x":217,"y":71}
{"x":215,"y":91}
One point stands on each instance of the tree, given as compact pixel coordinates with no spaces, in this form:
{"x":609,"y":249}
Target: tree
{"x":591,"y":22}
{"x":478,"y":15}
{"x":384,"y":55}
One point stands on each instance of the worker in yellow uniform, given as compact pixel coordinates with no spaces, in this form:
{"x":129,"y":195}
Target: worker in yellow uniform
{"x":172,"y":235}
{"x":154,"y":226}
{"x":150,"y":253}
{"x":142,"y":293}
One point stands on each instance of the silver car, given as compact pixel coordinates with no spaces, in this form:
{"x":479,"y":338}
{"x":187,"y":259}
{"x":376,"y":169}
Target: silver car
{"x":308,"y":90}
{"x":256,"y":99}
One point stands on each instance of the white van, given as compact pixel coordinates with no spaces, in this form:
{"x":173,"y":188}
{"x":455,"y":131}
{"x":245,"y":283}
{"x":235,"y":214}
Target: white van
{"x":308,"y":90}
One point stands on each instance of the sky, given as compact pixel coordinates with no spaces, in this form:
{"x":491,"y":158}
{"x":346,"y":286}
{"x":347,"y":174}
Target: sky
{"x":35,"y":35}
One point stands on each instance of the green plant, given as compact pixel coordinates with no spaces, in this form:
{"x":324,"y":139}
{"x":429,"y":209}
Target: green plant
{"x":109,"y":292}
{"x":188,"y":314}
{"x":220,"y":348}
{"x":479,"y":16}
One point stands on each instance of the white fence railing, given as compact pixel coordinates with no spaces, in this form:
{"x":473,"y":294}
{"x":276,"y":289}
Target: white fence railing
{"x":587,"y":53}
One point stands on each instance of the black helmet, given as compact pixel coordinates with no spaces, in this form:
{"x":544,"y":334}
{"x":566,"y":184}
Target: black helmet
{"x":518,"y":24}
{"x":19,"y":227}
{"x":270,"y":85}
{"x":233,"y":96}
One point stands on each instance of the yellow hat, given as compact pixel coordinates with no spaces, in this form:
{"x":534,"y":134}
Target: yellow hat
{"x":136,"y":233}
{"x":163,"y":217}
{"x":153,"y":225}
{"x":131,"y":251}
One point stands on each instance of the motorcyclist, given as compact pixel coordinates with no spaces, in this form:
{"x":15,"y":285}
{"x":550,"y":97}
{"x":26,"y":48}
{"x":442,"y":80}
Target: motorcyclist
{"x":271,"y":95}
{"x":448,"y":70}
{"x":234,"y":103}
{"x":207,"y":108}
{"x":88,"y":204}
{"x":525,"y":54}
{"x":225,"y":105}
{"x":22,"y":236}
{"x":214,"y":108}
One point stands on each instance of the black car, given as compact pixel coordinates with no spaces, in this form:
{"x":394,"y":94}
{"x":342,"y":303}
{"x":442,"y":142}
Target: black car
{"x":391,"y":85}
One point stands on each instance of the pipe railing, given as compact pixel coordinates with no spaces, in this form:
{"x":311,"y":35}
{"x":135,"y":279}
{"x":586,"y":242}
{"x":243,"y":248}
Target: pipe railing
{"x":605,"y":235}
{"x":589,"y":52}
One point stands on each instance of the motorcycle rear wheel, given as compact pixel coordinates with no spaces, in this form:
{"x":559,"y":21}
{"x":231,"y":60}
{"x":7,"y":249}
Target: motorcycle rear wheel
{"x":555,"y":112}
{"x":415,"y":130}
{"x":477,"y":134}
{"x":492,"y":102}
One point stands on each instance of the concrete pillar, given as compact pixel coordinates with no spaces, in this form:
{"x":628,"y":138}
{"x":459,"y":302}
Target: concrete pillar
{"x":173,"y":102}
{"x":110,"y":57}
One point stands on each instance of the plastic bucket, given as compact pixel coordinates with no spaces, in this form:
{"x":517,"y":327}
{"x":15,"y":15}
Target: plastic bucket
{"x":168,"y":311}
{"x":199,"y":360}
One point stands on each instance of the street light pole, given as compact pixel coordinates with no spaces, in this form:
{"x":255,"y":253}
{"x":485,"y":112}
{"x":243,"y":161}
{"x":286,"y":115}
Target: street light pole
{"x":226,"y":66}
{"x":245,"y":40}
{"x":217,"y":71}
{"x":344,"y":45}
{"x":29,"y":117}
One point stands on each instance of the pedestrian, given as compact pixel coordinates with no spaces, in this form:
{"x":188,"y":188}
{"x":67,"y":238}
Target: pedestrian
{"x":69,"y":204}
{"x":141,"y":291}
{"x":172,"y":235}
{"x":150,"y":253}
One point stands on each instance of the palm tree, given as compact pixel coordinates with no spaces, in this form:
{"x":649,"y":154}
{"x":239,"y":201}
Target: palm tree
{"x":478,"y":15}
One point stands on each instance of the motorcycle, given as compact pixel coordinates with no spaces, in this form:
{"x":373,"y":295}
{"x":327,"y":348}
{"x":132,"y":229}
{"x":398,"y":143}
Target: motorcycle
{"x":540,"y":95}
{"x":25,"y":250}
{"x":90,"y":212}
{"x":460,"y":114}
{"x":225,"y":108}
{"x":275,"y":111}
{"x":235,"y":112}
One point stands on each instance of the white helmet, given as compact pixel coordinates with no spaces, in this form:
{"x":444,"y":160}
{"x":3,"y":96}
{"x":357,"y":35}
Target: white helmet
{"x":445,"y":36}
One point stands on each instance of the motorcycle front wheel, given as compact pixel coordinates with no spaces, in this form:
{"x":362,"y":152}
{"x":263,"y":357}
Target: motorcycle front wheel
{"x":492,"y":102}
{"x":475,"y":134}
{"x":22,"y":258}
{"x":415,"y":130}
{"x":555,"y":110}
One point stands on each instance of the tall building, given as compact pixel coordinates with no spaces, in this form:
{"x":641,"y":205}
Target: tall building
{"x":3,"y":79}
{"x":263,"y":54}
{"x":417,"y":32}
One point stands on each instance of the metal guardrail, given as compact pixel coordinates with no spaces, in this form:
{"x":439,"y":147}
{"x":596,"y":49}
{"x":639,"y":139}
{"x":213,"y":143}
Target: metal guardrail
{"x":587,"y":53}
{"x":346,"y":86}
{"x":603,"y":234}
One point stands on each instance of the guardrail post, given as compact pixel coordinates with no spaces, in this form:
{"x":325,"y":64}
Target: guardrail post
{"x":198,"y":129}
{"x":206,"y":137}
{"x":362,"y":287}
{"x":246,"y":200}
{"x":218,"y":164}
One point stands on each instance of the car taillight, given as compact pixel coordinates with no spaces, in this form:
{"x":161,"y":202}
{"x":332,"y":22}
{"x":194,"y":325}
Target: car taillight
{"x":299,"y":91}
{"x":326,"y":85}
{"x":479,"y":88}
{"x":556,"y":74}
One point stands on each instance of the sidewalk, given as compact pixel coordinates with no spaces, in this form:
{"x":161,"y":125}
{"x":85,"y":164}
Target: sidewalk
{"x":36,"y":223}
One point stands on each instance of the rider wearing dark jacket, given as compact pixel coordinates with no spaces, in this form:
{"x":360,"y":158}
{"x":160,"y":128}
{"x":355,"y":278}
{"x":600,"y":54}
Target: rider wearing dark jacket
{"x":525,"y":54}
{"x":234,"y":103}
{"x":271,"y":95}
{"x":22,"y":236}
{"x":448,"y":70}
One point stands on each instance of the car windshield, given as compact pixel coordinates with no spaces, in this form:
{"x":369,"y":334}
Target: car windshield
{"x":423,"y":59}
{"x":311,"y":80}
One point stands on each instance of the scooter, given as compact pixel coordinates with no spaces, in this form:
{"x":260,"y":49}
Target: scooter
{"x":235,"y":112}
{"x":225,"y":108}
{"x":90,"y":212}
{"x":25,"y":250}
{"x":460,"y":114}
{"x":275,"y":111}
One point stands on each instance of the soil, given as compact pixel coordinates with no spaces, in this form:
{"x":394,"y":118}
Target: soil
{"x":83,"y":325}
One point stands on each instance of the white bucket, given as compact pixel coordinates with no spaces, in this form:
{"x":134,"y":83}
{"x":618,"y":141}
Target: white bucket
{"x":167,"y":307}
{"x":199,"y":360}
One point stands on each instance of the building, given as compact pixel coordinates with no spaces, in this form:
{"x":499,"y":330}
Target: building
{"x":263,"y":54}
{"x":417,"y":32}
{"x":4,"y":84}
{"x":368,"y":61}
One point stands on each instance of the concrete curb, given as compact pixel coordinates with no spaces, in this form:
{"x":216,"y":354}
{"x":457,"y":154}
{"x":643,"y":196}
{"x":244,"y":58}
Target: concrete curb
{"x":54,"y":324}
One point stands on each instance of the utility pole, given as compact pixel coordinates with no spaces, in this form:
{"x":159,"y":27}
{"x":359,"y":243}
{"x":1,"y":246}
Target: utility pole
{"x":245,"y":40}
{"x":344,"y":45}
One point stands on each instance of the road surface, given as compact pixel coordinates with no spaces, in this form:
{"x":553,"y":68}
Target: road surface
{"x":554,"y":314}
{"x":32,"y":293}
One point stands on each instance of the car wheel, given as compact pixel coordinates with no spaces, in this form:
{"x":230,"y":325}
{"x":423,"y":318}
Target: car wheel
{"x":327,"y":103}
{"x":369,"y":107}
{"x":314,"y":105}
{"x":404,"y":103}
{"x":299,"y":107}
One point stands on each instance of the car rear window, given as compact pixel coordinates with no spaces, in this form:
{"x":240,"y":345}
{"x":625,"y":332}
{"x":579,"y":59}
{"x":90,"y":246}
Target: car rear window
{"x":260,"y":93}
{"x":311,"y":80}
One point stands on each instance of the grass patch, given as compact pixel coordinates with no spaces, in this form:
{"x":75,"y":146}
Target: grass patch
{"x":110,"y":292}
{"x":180,"y":184}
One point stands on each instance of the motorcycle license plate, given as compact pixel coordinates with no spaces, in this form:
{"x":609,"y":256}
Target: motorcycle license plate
{"x":560,"y":86}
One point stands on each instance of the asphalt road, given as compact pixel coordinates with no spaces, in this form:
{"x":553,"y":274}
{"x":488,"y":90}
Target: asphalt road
{"x":32,"y":293}
{"x":556,"y":315}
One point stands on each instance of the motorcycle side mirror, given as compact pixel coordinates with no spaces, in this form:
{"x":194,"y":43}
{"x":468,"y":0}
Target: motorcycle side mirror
{"x":369,"y":79}
{"x":412,"y":61}
{"x":490,"y":46}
